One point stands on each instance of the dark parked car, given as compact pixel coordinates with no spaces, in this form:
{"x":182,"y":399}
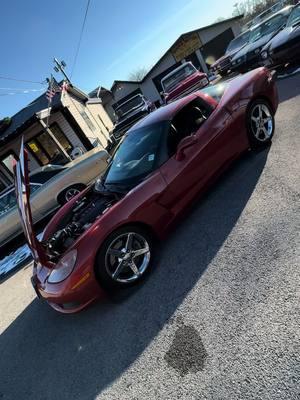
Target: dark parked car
{"x":285,"y":46}
{"x":249,"y":56}
{"x":223,"y":65}
{"x":129,"y":113}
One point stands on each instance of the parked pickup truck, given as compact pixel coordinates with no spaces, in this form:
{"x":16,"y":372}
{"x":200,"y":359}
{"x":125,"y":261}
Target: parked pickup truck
{"x":181,"y":81}
{"x":128,"y":113}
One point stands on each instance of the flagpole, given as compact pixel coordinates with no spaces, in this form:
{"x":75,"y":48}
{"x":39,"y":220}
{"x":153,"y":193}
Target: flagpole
{"x":46,"y":127}
{"x":49,"y":100}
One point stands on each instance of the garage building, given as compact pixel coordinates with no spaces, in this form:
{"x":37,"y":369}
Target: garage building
{"x":201,"y":46}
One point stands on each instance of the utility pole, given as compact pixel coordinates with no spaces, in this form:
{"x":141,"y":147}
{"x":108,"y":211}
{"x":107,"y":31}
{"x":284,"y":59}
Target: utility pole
{"x":60,"y":67}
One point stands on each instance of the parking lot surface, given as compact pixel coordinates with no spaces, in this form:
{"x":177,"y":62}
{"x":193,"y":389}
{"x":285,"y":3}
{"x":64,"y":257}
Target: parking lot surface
{"x":217,"y":319}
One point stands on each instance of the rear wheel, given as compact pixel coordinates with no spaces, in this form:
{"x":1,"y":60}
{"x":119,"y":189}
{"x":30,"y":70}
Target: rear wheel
{"x":69,"y":193}
{"x":260,"y":124}
{"x":124,"y":258}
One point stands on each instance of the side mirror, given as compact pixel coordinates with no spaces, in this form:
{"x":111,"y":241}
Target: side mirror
{"x":185,"y":143}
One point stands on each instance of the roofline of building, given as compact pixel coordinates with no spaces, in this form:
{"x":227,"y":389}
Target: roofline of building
{"x":125,"y":81}
{"x":25,"y":125}
{"x":33,"y":118}
{"x":177,"y":40}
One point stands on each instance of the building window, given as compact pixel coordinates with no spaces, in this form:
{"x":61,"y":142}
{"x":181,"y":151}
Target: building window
{"x":7,"y":162}
{"x":45,"y":150}
{"x":61,"y":137}
{"x":36,"y":150}
{"x":87,"y":120}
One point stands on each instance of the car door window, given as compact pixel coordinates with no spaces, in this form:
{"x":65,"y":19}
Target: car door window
{"x":186,"y":123}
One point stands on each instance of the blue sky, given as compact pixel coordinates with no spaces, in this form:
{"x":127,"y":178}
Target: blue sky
{"x":119,"y":37}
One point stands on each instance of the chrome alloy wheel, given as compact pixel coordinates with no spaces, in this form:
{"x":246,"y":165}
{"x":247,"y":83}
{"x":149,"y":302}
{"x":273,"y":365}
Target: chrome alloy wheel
{"x":261,"y":122}
{"x":127,"y":257}
{"x":71,"y":193}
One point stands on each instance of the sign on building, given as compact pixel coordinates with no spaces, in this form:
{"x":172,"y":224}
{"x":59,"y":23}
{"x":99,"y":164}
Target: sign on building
{"x":186,"y":46}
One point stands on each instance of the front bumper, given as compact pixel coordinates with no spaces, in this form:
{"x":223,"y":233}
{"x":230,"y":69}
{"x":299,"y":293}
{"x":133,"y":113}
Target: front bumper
{"x":71,"y":295}
{"x":248,"y":63}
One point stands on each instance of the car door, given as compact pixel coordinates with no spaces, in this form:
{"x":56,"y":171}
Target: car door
{"x":211,"y":149}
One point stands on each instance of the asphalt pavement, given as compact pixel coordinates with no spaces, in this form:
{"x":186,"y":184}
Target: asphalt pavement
{"x":217,"y":319}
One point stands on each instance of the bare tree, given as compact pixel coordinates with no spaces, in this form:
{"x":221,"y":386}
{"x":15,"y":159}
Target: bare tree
{"x":251,"y":8}
{"x":220,"y":19}
{"x":138,"y":74}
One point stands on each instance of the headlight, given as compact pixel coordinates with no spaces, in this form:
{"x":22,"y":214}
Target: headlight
{"x":233,"y":62}
{"x":257,"y":51}
{"x":264,"y":55}
{"x":64,"y":267}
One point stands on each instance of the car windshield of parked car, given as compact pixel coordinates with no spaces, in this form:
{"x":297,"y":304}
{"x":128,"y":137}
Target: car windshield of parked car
{"x":294,"y":18}
{"x":267,"y":27}
{"x":172,"y":81}
{"x":8,"y":200}
{"x":238,"y":42}
{"x":137,"y":156}
{"x":135,"y":102}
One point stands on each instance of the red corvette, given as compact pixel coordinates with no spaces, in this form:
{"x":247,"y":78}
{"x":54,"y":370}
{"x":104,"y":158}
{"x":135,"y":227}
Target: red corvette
{"x":103,"y":238}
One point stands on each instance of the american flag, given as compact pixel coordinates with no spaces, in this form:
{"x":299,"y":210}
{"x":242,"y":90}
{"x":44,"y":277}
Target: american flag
{"x":54,"y":88}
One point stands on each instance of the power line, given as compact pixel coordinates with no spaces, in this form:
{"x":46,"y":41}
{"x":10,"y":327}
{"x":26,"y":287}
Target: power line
{"x":80,"y":37}
{"x":20,"y":80}
{"x":22,"y":92}
{"x":21,"y":89}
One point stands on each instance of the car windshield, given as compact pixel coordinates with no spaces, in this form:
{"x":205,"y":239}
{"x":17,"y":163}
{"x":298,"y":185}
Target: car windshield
{"x":8,"y":200}
{"x":136,"y":101}
{"x":215,"y":91}
{"x":238,"y":42}
{"x":267,"y":27}
{"x":172,"y":81}
{"x":137,"y":155}
{"x":294,"y":17}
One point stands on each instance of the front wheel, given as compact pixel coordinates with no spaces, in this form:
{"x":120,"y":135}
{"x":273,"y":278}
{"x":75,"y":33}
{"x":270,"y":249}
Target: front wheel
{"x":124,"y":258}
{"x":260,"y":124}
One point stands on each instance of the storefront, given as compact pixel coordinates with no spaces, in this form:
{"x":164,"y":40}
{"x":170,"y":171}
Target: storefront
{"x":44,"y":149}
{"x":53,"y":135}
{"x":201,"y":46}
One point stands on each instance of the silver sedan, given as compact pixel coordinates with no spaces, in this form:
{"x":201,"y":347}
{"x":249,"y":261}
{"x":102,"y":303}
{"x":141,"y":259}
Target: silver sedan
{"x":50,"y":187}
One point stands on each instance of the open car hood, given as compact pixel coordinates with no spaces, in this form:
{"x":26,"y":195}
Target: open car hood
{"x":21,"y":175}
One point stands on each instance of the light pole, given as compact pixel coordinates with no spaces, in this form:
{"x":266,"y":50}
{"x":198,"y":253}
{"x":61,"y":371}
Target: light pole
{"x":60,"y":67}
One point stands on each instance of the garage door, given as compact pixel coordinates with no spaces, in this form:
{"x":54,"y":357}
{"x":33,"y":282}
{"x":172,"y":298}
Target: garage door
{"x":216,"y":48}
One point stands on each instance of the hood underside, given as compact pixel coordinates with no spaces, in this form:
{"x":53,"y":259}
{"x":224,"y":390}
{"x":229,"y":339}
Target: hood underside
{"x":22,"y":187}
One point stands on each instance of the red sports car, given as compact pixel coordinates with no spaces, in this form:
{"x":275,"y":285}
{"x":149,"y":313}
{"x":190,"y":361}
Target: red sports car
{"x":103,"y":239}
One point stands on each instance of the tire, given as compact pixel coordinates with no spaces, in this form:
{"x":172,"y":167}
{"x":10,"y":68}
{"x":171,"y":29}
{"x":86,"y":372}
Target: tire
{"x":260,"y":124}
{"x":70,"y":192}
{"x":116,"y":264}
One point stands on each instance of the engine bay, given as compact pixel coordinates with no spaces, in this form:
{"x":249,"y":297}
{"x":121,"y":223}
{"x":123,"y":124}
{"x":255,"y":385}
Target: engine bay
{"x":84,"y":213}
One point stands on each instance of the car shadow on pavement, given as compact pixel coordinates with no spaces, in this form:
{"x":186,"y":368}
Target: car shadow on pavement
{"x":288,"y":87}
{"x":45,"y":355}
